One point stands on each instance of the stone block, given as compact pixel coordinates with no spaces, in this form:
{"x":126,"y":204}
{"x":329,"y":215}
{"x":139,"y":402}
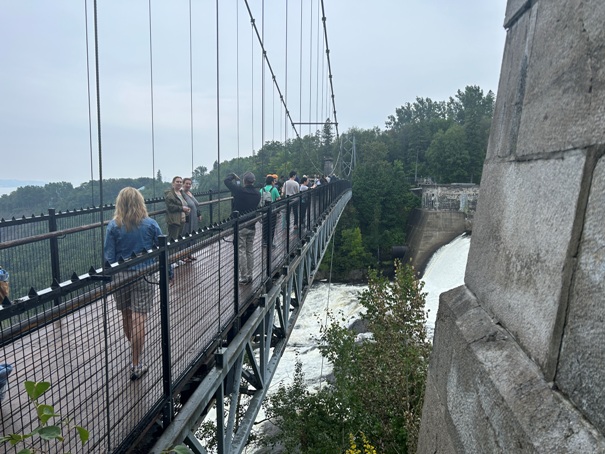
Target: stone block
{"x":514,"y":10}
{"x":564,"y":100}
{"x":581,"y":371}
{"x":520,"y":243}
{"x":432,"y":438}
{"x":492,"y":397}
{"x":509,"y":100}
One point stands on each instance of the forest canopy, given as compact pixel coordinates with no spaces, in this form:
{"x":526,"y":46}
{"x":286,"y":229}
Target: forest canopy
{"x":424,"y":140}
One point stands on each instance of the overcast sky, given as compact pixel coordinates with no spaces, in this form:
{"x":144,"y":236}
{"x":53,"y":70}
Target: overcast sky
{"x":383,"y":54}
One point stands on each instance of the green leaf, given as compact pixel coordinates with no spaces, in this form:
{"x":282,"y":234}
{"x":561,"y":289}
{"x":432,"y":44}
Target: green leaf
{"x":36,"y":389}
{"x":51,"y":433}
{"x":83,"y":433}
{"x":181,"y":449}
{"x":25,"y":451}
{"x":13,"y":439}
{"x":45,"y":412}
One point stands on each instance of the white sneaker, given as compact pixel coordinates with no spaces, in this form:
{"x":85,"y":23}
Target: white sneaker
{"x":137,"y":372}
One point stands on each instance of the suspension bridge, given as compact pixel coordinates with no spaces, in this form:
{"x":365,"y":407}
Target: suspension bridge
{"x":211,"y":342}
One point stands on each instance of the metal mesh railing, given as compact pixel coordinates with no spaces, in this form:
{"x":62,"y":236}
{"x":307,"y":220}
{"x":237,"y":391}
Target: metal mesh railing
{"x":72,"y":336}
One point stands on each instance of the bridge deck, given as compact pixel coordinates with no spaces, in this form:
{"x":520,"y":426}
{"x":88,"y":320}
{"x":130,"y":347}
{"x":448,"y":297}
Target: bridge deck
{"x":86,"y":357}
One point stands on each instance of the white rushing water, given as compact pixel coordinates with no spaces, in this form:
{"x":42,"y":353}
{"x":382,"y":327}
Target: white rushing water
{"x":444,"y":271}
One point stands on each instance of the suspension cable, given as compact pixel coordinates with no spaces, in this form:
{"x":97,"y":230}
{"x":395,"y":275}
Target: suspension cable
{"x":266,"y":59}
{"x":218,"y":152}
{"x":252,"y":86}
{"x":317,"y":54}
{"x":321,"y":370}
{"x":92,"y":185}
{"x":300,"y":64}
{"x":286,"y":82}
{"x":105,"y":315}
{"x":329,"y":66}
{"x":191,"y":85}
{"x":310,"y":64}
{"x":152,"y":104}
{"x":262,"y":75}
{"x":237,"y":81}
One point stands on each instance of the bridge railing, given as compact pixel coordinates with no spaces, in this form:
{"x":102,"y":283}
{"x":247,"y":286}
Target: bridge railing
{"x":39,"y":249}
{"x":71,"y":334}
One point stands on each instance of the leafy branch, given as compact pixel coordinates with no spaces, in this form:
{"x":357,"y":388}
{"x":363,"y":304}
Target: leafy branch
{"x":45,"y":431}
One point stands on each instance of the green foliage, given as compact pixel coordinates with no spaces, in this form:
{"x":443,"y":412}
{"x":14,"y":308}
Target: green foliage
{"x":382,"y":196}
{"x":48,"y":433}
{"x":378,"y":385}
{"x":448,"y":155}
{"x":444,"y":140}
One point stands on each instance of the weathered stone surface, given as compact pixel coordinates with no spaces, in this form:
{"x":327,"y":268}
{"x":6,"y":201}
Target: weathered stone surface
{"x":564,"y":101}
{"x":514,"y":9}
{"x":485,"y":395}
{"x":434,"y":438}
{"x":428,"y":231}
{"x":581,"y":372}
{"x":520,"y":243}
{"x":511,"y":89}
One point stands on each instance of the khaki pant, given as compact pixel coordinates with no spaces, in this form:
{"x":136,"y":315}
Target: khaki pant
{"x":246,"y":252}
{"x":4,"y":291}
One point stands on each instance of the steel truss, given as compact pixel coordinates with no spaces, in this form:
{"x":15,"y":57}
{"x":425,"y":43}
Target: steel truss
{"x":249,"y":361}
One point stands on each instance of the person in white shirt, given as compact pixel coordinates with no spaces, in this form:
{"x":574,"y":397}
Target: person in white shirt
{"x":290,"y":188}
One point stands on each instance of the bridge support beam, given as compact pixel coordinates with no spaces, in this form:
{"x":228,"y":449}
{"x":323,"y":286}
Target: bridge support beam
{"x":254,"y":353}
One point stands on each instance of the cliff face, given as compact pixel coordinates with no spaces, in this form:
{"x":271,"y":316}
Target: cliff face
{"x":518,"y":361}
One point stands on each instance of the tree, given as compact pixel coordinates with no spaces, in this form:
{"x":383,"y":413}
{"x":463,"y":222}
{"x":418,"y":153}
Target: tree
{"x":378,"y":385}
{"x":448,"y":157}
{"x":474,"y":112}
{"x":158,"y":176}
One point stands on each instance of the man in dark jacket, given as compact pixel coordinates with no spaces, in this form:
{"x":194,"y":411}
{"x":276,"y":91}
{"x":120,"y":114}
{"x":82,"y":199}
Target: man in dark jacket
{"x":245,"y":199}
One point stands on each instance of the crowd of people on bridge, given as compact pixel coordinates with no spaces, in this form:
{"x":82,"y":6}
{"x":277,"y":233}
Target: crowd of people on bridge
{"x":247,"y":198}
{"x":132,"y":230}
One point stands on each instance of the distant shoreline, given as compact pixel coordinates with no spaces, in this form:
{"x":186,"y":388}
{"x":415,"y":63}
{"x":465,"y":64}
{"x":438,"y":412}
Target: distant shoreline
{"x":8,"y":186}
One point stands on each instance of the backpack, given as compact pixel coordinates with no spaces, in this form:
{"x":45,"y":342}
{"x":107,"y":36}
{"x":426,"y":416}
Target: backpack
{"x":265,"y":197}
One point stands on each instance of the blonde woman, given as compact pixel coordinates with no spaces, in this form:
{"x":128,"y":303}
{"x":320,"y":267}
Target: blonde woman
{"x":132,"y":230}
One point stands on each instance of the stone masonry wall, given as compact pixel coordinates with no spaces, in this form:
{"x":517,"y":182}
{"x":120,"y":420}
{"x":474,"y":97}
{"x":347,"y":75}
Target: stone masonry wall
{"x":519,"y":351}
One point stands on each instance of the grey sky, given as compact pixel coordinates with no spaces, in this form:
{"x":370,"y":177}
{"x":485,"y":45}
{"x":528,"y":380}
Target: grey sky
{"x":384,"y":53}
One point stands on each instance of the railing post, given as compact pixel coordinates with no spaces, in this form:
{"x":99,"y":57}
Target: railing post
{"x":168,"y":410}
{"x":210,"y":207}
{"x":236,"y":268}
{"x":269,"y":238}
{"x":288,"y":213}
{"x":55,"y":265}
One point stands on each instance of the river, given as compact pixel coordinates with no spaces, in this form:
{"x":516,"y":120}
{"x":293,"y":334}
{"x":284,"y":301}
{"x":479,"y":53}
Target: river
{"x":444,"y":271}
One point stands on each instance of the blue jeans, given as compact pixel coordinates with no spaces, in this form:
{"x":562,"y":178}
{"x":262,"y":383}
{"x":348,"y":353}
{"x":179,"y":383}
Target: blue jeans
{"x":5,"y":370}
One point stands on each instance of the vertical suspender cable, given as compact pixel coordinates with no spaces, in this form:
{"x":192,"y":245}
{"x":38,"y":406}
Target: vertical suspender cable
{"x":318,"y":53}
{"x":286,"y":91}
{"x":270,"y":68}
{"x":252,"y":88}
{"x":191,"y":85}
{"x":218,"y":161}
{"x":92,"y":185}
{"x":310,"y":64}
{"x":105,"y":321}
{"x":300,"y":64}
{"x":321,"y":369}
{"x":323,"y":75}
{"x":151,"y":94}
{"x":237,"y":78}
{"x":262,"y":117}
